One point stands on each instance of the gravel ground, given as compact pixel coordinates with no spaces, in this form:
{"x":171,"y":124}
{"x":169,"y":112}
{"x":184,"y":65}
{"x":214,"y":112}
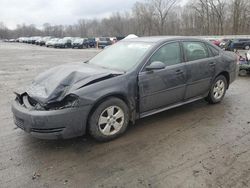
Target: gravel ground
{"x":196,"y":145}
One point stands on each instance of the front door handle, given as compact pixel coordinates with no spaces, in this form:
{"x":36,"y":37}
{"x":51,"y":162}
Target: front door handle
{"x":178,"y":71}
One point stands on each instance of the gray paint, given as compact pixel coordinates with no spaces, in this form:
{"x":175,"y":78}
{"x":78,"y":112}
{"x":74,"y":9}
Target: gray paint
{"x":145,"y":92}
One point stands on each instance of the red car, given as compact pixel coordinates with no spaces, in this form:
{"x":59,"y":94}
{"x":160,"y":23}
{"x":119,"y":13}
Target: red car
{"x":215,"y":42}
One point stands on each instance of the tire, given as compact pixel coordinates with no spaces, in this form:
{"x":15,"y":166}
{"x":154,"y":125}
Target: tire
{"x":247,"y":47}
{"x":217,"y":90}
{"x":109,"y":120}
{"x":243,"y":72}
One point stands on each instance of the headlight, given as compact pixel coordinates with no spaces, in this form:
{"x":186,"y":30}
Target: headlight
{"x":70,"y":101}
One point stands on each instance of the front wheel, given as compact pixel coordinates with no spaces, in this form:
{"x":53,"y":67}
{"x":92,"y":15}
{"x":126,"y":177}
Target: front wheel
{"x":247,"y":47}
{"x":217,"y":90}
{"x":109,"y":120}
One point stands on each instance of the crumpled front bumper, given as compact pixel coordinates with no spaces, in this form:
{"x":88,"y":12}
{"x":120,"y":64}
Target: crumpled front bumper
{"x":54,"y":124}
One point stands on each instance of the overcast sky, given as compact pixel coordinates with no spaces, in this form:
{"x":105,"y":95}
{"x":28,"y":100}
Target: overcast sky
{"x":13,"y":12}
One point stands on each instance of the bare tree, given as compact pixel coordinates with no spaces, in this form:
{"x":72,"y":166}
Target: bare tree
{"x":154,"y":17}
{"x":4,"y":31}
{"x":218,"y":9}
{"x":161,"y":9}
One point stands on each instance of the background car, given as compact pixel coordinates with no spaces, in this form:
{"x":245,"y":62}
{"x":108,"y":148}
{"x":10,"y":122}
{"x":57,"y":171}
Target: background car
{"x":44,"y":40}
{"x":12,"y":40}
{"x":65,"y":42}
{"x":92,"y":42}
{"x":80,"y":43}
{"x":103,"y":42}
{"x":223,"y":43}
{"x":51,"y":42}
{"x":241,"y":44}
{"x":215,"y":41}
{"x":33,"y":40}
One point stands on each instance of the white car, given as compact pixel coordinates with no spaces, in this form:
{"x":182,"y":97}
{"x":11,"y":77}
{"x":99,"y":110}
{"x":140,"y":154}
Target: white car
{"x":51,"y":42}
{"x":248,"y":55}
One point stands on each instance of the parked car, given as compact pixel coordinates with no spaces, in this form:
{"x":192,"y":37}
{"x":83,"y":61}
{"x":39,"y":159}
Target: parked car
{"x":37,"y":42}
{"x":215,"y":42}
{"x":92,"y":42}
{"x":248,"y":55}
{"x":131,"y":79}
{"x":43,"y":40}
{"x":51,"y":42}
{"x":63,"y":43}
{"x":24,"y":39}
{"x":103,"y":42}
{"x":12,"y":40}
{"x":59,"y":44}
{"x":80,"y":43}
{"x":228,"y":45}
{"x":223,"y":43}
{"x":240,"y":44}
{"x":33,"y":40}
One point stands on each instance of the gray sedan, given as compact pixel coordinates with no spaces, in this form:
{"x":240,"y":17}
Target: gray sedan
{"x":132,"y":79}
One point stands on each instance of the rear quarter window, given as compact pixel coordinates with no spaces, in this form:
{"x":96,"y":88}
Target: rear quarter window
{"x":213,"y":51}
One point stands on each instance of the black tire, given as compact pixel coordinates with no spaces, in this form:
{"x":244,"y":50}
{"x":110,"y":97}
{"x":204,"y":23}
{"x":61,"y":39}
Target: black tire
{"x":247,"y":47}
{"x":95,"y":128}
{"x":211,"y":95}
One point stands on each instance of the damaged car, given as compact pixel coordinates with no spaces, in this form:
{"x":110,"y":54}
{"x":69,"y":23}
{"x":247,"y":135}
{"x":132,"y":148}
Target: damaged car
{"x":132,"y":79}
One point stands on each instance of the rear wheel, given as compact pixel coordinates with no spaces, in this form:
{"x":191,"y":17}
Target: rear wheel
{"x":109,"y":120}
{"x":217,"y":90}
{"x":247,"y":47}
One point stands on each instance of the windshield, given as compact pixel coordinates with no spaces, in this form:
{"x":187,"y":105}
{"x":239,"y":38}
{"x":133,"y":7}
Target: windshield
{"x":104,"y":39}
{"x":121,"y":56}
{"x":78,"y":40}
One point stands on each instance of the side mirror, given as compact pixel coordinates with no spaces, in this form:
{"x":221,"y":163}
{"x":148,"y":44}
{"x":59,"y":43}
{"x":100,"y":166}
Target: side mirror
{"x":156,"y":65}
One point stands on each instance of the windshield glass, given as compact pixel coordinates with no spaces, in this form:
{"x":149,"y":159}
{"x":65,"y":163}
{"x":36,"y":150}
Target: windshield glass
{"x":104,"y":39}
{"x":78,"y":40}
{"x":121,"y":56}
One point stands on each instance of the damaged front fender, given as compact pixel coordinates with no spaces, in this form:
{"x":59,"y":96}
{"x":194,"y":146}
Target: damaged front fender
{"x":56,"y":84}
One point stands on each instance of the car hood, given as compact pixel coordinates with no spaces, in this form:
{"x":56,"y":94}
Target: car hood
{"x":55,"y":84}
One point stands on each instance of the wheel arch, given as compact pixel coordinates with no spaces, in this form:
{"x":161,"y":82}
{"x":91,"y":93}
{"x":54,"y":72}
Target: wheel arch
{"x":120,"y":96}
{"x":226,"y":75}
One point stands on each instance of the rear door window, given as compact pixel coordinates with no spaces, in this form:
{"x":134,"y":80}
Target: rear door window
{"x":195,"y":51}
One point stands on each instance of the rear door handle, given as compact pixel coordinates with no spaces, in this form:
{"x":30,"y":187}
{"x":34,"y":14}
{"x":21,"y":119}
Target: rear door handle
{"x":212,"y":64}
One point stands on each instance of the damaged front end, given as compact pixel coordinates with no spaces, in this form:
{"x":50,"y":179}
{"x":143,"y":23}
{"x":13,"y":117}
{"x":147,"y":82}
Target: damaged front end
{"x":54,"y":105}
{"x":70,"y":101}
{"x":64,"y":119}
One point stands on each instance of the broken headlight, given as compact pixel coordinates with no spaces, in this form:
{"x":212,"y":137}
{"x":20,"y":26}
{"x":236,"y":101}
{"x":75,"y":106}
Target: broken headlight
{"x":70,"y":101}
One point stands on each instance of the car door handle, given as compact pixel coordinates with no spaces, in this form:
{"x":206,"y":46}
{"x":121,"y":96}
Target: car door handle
{"x":212,"y":64}
{"x":178,"y":71}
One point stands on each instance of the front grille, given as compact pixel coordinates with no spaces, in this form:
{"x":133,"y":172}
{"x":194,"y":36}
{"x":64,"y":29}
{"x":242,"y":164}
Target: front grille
{"x":51,"y":130}
{"x":19,"y":122}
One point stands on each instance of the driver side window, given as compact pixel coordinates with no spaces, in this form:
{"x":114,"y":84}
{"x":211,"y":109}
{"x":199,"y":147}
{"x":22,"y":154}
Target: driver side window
{"x":169,"y":54}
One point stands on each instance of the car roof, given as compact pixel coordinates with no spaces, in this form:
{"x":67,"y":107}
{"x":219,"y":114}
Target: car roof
{"x":159,"y":39}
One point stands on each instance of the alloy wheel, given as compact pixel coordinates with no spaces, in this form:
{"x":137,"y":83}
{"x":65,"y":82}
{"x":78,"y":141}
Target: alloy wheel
{"x":219,"y":89}
{"x":111,"y":120}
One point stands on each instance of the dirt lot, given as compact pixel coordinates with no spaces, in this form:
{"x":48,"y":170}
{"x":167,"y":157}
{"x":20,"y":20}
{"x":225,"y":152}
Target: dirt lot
{"x":197,"y":145}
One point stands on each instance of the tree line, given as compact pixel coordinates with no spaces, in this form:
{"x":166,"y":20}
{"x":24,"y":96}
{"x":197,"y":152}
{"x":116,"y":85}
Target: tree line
{"x":153,"y":17}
